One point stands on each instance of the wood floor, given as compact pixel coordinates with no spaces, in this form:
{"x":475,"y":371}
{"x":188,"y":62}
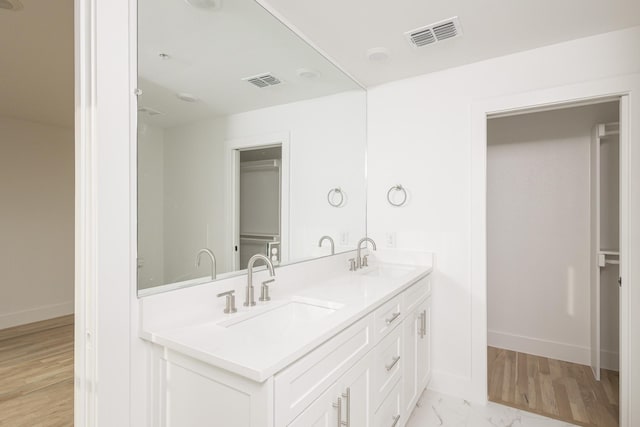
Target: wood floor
{"x":556,"y":389}
{"x":36,"y":374}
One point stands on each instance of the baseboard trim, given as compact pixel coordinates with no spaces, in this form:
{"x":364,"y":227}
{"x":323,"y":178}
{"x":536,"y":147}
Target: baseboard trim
{"x":610,"y":360}
{"x":36,"y":314}
{"x":538,"y":347}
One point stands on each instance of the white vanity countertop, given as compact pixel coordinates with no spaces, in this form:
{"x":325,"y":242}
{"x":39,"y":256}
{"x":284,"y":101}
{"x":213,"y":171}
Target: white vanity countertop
{"x":268,"y":337}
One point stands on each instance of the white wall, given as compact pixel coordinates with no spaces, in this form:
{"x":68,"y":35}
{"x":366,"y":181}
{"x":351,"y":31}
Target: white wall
{"x":36,"y":221}
{"x":538,"y":231}
{"x":326,"y":137}
{"x":420,"y":136}
{"x":150,"y":206}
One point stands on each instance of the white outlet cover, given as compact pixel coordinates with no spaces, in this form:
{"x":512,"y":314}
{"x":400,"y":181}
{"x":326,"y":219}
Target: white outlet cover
{"x":390,"y":239}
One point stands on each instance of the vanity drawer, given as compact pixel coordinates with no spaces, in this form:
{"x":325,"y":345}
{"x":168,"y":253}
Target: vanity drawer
{"x":298,"y":385}
{"x":388,"y":414}
{"x":387,"y":365}
{"x":416,"y":293}
{"x":387,"y":317}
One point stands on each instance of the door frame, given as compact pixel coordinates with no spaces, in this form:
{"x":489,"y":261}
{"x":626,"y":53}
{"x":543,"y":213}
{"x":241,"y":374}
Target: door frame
{"x":233,"y":148}
{"x":627,"y":88}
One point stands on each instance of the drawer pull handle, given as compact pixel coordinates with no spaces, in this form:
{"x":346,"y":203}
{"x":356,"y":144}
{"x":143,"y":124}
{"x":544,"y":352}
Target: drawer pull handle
{"x":347,"y":396}
{"x":393,"y":363}
{"x":421,"y":330}
{"x":424,"y":323}
{"x":392,"y":318}
{"x":395,"y":420}
{"x":338,"y":406}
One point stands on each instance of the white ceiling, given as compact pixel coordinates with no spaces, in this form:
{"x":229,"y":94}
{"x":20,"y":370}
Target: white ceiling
{"x":36,"y":62}
{"x":37,"y":47}
{"x":345,"y":29}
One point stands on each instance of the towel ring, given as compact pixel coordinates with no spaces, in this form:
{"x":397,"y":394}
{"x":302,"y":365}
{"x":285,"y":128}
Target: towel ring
{"x":332,"y":193}
{"x":404,"y":195}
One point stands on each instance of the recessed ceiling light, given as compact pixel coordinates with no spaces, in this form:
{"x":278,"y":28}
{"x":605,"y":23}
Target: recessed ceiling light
{"x":205,"y":4}
{"x":13,"y":5}
{"x":187,"y":97}
{"x":378,"y":54}
{"x":306,"y":73}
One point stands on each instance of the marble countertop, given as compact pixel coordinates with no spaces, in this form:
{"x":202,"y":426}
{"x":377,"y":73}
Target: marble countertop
{"x":257,"y":342}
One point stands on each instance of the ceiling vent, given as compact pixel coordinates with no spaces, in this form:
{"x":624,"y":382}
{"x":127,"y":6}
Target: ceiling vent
{"x":430,"y":34}
{"x":149,"y":111}
{"x":13,"y":5}
{"x":263,"y":80}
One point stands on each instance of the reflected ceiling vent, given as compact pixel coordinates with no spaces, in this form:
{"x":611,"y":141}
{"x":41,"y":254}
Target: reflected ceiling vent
{"x":263,"y":80}
{"x":430,"y":34}
{"x":204,"y":4}
{"x":149,"y":111}
{"x":14,"y":5}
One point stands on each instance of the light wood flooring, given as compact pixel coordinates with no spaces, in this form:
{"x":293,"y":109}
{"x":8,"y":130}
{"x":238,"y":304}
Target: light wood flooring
{"x":36,"y":374}
{"x":556,"y":389}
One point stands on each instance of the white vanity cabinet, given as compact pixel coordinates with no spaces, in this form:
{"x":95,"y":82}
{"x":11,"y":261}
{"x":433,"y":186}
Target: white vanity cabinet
{"x":369,"y":374}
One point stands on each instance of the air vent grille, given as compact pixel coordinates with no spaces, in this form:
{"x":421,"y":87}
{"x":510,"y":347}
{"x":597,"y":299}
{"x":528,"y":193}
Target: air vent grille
{"x":263,"y":80}
{"x":437,"y":32}
{"x":423,"y":38}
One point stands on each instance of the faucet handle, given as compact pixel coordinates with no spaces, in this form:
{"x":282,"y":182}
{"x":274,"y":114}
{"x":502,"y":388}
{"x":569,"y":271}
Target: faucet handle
{"x":352,"y":264}
{"x":365,"y":261}
{"x":264,"y":290}
{"x":230,"y":302}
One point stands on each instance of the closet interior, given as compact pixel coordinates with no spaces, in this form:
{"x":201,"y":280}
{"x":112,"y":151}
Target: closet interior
{"x":553,"y":262}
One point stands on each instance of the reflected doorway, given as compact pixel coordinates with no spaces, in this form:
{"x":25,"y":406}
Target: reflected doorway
{"x":259,"y":204}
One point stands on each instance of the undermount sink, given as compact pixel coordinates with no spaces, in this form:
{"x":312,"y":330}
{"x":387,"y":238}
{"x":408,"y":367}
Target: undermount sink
{"x":389,"y":271}
{"x":300,"y":310}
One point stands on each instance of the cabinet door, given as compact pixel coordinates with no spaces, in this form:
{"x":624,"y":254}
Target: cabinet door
{"x":323,"y":412}
{"x":356,"y":392}
{"x":424,"y":346}
{"x":417,"y":359}
{"x":351,"y":394}
{"x":411,"y":335}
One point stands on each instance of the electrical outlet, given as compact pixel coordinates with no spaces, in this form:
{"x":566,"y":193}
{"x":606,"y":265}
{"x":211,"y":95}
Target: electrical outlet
{"x":390,"y":239}
{"x":344,"y":238}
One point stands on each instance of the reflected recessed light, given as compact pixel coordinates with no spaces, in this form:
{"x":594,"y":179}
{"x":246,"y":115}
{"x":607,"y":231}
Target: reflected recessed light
{"x":13,"y":5}
{"x":204,"y":4}
{"x":306,"y":73}
{"x":378,"y":54}
{"x":187,"y":97}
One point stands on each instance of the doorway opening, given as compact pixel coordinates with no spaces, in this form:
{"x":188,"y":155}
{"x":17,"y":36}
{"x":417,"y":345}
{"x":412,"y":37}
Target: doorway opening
{"x":553,"y":261}
{"x":259,"y":204}
{"x":37,"y":189}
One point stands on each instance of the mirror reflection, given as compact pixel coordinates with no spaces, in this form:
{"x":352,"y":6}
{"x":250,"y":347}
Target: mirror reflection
{"x":249,"y":142}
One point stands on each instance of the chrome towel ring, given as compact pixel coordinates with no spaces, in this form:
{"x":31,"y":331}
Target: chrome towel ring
{"x":331,"y":197}
{"x":401,"y":189}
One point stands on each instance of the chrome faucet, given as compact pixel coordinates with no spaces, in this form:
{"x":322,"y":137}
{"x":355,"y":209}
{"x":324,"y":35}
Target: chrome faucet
{"x":213,"y":261}
{"x":359,"y":261}
{"x":333,"y":246}
{"x":249,"y":298}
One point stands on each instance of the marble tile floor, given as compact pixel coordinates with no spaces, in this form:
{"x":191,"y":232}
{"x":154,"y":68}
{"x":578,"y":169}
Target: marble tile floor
{"x":435,"y":409}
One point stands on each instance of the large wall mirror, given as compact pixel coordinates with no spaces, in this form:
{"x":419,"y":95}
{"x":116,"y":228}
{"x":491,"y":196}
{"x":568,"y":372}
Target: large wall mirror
{"x":249,"y":141}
